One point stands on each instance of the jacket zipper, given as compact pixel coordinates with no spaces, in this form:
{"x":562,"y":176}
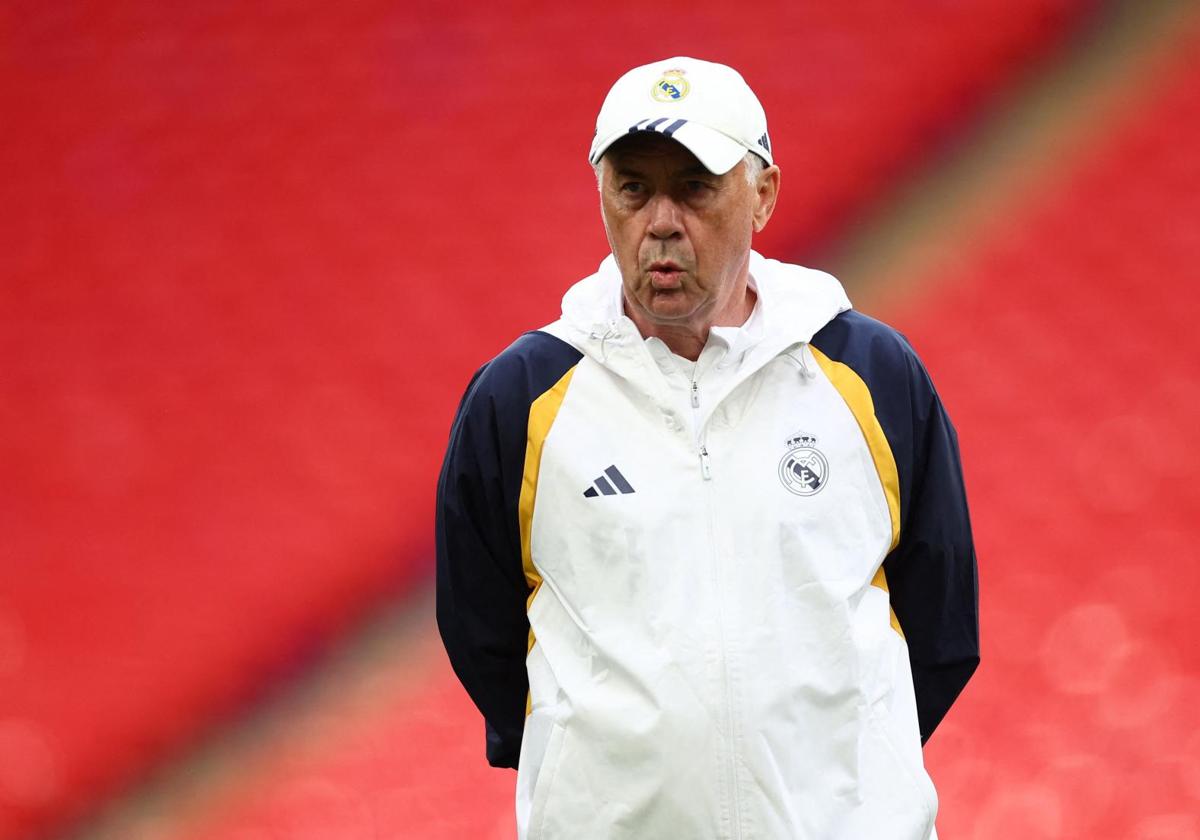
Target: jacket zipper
{"x":705,"y":463}
{"x":730,"y":764}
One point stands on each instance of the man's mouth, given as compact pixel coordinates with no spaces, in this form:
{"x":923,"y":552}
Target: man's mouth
{"x":664,"y":274}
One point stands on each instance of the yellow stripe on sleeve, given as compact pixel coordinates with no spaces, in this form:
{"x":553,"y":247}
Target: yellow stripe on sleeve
{"x":858,"y":398}
{"x":880,"y":580}
{"x":541,"y":417}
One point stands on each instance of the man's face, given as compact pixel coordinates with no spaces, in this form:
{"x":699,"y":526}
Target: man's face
{"x":680,"y":234}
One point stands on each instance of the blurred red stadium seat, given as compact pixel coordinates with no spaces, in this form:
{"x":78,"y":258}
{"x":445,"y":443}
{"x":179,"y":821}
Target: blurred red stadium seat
{"x":1065,"y":346}
{"x":251,"y":259}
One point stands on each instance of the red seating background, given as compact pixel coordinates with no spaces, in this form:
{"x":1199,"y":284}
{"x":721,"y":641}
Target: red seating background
{"x":252,"y":257}
{"x":1067,"y":348}
{"x":1062,"y":339}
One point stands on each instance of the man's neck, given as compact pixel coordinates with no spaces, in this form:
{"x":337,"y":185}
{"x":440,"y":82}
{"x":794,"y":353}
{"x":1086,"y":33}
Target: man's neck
{"x":687,"y":339}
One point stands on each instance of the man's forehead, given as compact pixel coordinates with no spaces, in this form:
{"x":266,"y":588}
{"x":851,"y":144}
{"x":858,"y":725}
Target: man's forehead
{"x":647,"y":148}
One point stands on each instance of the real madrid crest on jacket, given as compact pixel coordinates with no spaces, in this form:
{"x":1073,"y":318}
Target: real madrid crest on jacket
{"x":803,"y":469}
{"x":730,"y":604}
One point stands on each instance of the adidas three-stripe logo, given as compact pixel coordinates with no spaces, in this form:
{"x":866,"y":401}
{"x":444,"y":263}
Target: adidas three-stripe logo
{"x":611,"y":486}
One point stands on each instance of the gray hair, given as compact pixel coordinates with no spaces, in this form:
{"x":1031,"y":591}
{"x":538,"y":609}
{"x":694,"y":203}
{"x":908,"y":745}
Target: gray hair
{"x":754,"y":166}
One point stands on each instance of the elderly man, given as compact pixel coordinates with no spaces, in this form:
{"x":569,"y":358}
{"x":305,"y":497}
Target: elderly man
{"x":704,"y":561}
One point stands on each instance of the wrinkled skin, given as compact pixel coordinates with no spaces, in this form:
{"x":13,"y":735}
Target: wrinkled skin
{"x":681,"y":237}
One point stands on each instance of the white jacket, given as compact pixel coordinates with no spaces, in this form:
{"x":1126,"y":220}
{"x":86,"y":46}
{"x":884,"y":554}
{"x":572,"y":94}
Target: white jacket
{"x":704,"y":617}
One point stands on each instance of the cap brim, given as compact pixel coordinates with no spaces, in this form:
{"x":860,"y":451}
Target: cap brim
{"x":716,"y":151}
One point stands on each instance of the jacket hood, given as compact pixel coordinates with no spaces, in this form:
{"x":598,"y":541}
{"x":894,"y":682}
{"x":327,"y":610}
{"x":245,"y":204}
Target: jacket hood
{"x":796,"y":302}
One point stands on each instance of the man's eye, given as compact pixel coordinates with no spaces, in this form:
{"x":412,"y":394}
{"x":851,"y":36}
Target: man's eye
{"x":696,"y":186}
{"x":631,"y":187}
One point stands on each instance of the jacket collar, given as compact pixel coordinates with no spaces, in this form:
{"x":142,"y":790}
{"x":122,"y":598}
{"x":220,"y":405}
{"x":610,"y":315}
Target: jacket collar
{"x":795,"y":303}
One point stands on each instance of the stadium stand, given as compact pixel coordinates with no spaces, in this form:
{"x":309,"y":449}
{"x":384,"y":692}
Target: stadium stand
{"x":231,"y":245}
{"x":1065,"y":347}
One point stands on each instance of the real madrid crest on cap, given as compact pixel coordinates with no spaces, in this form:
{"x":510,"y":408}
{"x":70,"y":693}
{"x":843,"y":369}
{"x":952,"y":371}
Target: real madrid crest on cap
{"x":706,"y":107}
{"x":671,"y":86}
{"x":803,"y":470}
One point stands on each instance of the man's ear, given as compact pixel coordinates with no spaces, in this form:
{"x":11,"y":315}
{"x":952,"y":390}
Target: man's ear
{"x":766,"y":194}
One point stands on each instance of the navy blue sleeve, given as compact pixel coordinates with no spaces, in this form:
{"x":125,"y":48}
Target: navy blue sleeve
{"x":932,"y":572}
{"x":481,"y":588}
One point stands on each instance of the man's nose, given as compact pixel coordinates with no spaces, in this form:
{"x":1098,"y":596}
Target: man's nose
{"x":666,"y":221}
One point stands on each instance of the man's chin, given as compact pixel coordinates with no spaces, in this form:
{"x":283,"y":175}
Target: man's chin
{"x":670,"y":307}
{"x":663,"y":306}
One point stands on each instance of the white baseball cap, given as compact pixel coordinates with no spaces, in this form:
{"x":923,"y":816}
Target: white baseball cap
{"x":707,"y":107}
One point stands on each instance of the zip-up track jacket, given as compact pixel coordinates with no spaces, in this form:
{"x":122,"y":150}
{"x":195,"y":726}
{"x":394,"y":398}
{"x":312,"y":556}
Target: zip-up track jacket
{"x":731,"y":606}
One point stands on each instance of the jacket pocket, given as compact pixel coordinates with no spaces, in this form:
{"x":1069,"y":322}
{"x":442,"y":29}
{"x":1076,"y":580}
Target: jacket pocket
{"x":545,"y":781}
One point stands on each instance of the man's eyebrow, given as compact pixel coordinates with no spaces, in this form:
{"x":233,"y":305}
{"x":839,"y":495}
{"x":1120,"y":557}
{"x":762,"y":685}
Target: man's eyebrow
{"x":698,"y":169}
{"x":627,"y":172}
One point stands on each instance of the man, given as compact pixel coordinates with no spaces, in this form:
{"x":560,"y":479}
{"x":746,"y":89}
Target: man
{"x":704,"y":561}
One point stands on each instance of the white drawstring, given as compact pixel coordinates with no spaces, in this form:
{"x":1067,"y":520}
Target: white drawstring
{"x":805,"y":370}
{"x":610,"y":331}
